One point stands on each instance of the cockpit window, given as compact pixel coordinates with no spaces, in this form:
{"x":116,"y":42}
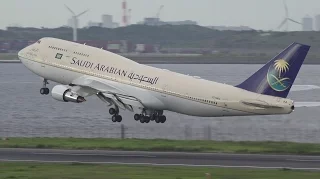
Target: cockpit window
{"x":39,"y":42}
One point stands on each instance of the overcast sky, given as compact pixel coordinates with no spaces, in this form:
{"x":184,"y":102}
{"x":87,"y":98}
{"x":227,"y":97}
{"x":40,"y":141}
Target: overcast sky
{"x":258,"y":14}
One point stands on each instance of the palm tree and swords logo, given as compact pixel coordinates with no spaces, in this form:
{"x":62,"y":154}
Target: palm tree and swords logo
{"x":276,"y":75}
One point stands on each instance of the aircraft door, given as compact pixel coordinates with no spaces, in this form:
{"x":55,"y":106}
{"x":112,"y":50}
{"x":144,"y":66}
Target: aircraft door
{"x":44,"y":59}
{"x":165,"y":89}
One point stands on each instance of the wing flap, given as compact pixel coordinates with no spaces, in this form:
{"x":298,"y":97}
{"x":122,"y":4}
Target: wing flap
{"x":124,"y":100}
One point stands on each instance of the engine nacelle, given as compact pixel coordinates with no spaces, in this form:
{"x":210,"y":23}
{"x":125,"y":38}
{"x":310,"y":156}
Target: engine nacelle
{"x":63,"y":93}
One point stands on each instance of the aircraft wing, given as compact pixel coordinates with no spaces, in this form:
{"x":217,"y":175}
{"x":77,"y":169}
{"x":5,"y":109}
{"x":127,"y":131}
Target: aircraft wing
{"x":96,"y":84}
{"x":108,"y":93}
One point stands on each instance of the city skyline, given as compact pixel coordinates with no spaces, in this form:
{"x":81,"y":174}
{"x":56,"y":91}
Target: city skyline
{"x":257,"y":14}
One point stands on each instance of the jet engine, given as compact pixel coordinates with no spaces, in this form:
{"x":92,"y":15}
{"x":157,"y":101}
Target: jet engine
{"x":63,"y":93}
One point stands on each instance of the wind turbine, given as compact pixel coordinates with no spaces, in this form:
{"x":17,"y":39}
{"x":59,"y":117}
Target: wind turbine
{"x":129,"y":16}
{"x":159,"y":11}
{"x":287,"y":18}
{"x":75,"y":22}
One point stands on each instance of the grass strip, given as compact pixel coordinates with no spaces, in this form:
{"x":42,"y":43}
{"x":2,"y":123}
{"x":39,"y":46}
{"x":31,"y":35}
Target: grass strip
{"x":163,"y":145}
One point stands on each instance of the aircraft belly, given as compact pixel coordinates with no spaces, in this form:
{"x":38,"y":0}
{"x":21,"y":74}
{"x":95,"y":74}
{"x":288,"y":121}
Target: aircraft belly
{"x":193,"y":108}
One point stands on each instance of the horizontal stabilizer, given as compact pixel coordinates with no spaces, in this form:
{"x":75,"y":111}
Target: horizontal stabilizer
{"x":307,"y":104}
{"x":304,"y":87}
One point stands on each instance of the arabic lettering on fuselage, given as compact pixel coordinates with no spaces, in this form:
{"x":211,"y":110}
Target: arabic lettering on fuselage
{"x":113,"y":70}
{"x":143,"y":78}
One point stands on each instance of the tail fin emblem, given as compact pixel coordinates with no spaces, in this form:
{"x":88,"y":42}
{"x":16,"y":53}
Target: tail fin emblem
{"x":277,"y":75}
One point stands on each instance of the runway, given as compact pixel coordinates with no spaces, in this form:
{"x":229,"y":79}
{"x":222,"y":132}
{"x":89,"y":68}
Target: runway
{"x":162,"y":158}
{"x":10,"y":61}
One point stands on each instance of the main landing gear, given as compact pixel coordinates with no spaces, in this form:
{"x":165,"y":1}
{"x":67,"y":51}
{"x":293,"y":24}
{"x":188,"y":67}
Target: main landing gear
{"x":157,"y":117}
{"x":44,"y":90}
{"x":115,"y":115}
{"x":144,"y":117}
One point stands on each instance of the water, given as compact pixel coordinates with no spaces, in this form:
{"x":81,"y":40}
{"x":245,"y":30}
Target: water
{"x":26,"y":113}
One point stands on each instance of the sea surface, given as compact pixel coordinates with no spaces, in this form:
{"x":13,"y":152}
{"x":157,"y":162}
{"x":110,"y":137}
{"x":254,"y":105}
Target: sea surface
{"x":26,"y":113}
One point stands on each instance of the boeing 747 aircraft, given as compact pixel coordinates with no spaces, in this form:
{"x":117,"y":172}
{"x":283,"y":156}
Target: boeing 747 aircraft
{"x":124,"y":84}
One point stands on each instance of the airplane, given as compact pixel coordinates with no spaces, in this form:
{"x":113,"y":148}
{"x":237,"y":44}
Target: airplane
{"x":123,"y":84}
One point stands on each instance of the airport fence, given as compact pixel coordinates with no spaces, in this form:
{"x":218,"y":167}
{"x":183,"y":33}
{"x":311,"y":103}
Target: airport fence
{"x":145,"y":131}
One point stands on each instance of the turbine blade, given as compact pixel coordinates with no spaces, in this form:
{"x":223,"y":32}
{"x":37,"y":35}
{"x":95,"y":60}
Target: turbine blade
{"x":286,"y":8}
{"x":70,"y":10}
{"x":82,"y":13}
{"x":282,"y":23}
{"x":293,"y":21}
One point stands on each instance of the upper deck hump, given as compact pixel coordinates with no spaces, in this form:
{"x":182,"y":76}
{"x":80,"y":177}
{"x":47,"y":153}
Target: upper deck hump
{"x":97,"y":53}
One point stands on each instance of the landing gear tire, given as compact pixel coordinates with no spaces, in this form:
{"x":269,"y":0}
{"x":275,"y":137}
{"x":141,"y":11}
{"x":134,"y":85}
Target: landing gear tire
{"x":160,"y":119}
{"x":144,"y":119}
{"x":147,"y":119}
{"x":44,"y":91}
{"x":119,"y":118}
{"x":137,"y":117}
{"x":157,"y":119}
{"x":163,"y":119}
{"x":112,"y":111}
{"x":141,"y":119}
{"x":116,"y":118}
{"x":152,"y":117}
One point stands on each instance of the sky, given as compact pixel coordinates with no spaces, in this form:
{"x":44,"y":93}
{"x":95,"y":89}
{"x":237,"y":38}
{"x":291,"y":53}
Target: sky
{"x":258,"y":14}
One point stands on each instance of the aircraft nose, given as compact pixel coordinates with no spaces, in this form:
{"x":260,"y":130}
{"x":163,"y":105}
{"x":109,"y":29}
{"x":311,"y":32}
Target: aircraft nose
{"x":21,"y":52}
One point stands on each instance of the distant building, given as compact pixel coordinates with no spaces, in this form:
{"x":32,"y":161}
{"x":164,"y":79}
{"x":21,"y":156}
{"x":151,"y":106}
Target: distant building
{"x":317,"y":22}
{"x":231,"y":28}
{"x":107,"y":21}
{"x":115,"y":25}
{"x":94,"y":24}
{"x":307,"y":24}
{"x":151,"y":22}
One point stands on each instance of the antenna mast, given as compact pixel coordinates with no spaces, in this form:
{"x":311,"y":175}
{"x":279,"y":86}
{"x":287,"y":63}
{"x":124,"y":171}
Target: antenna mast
{"x":124,"y":16}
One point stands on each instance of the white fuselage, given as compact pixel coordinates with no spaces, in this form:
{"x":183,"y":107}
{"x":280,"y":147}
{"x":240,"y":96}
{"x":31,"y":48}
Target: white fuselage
{"x":157,"y":89}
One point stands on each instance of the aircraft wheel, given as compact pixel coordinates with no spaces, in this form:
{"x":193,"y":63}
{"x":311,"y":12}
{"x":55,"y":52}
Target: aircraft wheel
{"x":44,"y":91}
{"x":157,"y":119}
{"x":137,"y":117}
{"x":152,"y":117}
{"x":163,"y":119}
{"x":114,"y":118}
{"x":119,"y":118}
{"x":142,"y":119}
{"x":112,"y":111}
{"x":146,"y":119}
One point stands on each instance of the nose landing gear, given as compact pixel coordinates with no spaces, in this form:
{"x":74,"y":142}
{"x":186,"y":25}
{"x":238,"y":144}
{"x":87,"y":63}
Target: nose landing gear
{"x":44,"y":90}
